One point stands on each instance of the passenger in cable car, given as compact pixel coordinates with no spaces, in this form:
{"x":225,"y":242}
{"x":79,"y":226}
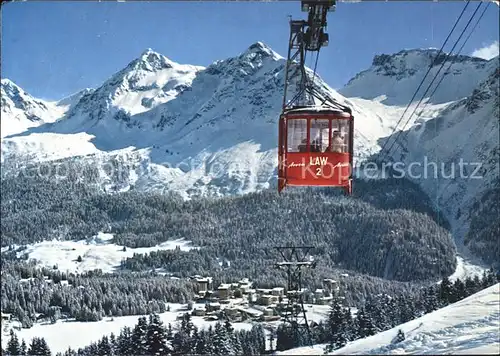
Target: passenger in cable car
{"x":316,"y":145}
{"x":337,"y":142}
{"x":303,"y":146}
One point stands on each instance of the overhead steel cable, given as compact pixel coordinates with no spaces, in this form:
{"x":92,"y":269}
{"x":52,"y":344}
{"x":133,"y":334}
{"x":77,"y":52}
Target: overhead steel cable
{"x":315,"y":67}
{"x":426,"y":74}
{"x":453,"y":60}
{"x":435,"y":76}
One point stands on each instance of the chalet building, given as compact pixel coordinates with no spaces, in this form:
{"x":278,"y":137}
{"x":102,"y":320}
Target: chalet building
{"x":199,"y":312}
{"x":267,"y":299}
{"x":331,"y":286}
{"x":224,"y":291}
{"x":278,"y":291}
{"x":204,"y":284}
{"x":211,"y":307}
{"x":268,"y":312}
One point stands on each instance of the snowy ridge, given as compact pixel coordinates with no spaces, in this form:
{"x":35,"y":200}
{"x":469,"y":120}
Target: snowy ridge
{"x":469,"y":327}
{"x":398,"y":75}
{"x":68,"y":102}
{"x":20,"y":111}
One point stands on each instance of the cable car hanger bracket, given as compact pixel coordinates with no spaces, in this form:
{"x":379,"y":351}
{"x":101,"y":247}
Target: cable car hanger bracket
{"x":308,"y":36}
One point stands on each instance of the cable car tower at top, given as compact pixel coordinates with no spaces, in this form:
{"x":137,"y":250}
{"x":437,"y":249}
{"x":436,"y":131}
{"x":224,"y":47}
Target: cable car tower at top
{"x":307,"y":36}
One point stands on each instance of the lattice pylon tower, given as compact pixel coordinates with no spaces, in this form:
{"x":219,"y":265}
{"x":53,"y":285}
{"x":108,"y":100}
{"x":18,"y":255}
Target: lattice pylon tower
{"x":295,"y":259}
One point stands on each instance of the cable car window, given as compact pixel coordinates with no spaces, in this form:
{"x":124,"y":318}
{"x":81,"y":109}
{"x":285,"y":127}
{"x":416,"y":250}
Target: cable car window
{"x":319,"y":135}
{"x":340,"y":136}
{"x":297,"y":135}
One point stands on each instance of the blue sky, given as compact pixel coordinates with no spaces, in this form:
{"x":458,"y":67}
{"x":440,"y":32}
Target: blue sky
{"x":53,"y":49}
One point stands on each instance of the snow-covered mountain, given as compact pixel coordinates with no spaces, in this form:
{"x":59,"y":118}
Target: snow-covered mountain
{"x":468,"y":327}
{"x":145,"y":82}
{"x":196,"y":130}
{"x":451,"y":141}
{"x":453,"y":147}
{"x":20,"y":111}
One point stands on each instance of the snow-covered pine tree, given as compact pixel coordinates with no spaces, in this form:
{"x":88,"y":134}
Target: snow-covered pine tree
{"x":246,"y":343}
{"x":187,"y":324}
{"x":337,"y":324}
{"x":24,"y":348}
{"x":197,"y":343}
{"x":364,"y":324}
{"x":200,"y":344}
{"x":373,"y":309}
{"x":105,"y":347}
{"x":93,"y":349}
{"x":124,"y":342}
{"x":445,"y":291}
{"x":113,"y":342}
{"x":209,"y":341}
{"x":259,"y":336}
{"x":222,"y":343}
{"x":139,"y":346}
{"x":233,"y":338}
{"x":471,"y":286}
{"x":182,"y":339}
{"x":430,"y":300}
{"x":338,"y":329}
{"x":459,"y":291}
{"x":238,"y":349}
{"x":13,"y":346}
{"x":156,"y":337}
{"x":400,"y":337}
{"x":170,"y":333}
{"x":39,"y":347}
{"x":349,"y":325}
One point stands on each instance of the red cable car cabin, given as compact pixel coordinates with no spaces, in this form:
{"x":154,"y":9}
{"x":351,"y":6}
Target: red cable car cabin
{"x":315,"y":148}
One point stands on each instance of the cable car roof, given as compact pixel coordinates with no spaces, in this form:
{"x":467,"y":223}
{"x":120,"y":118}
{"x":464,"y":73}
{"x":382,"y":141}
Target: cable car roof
{"x":317,"y":110}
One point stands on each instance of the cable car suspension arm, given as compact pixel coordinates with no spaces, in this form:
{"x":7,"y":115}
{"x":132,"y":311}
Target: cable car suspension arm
{"x":307,"y":36}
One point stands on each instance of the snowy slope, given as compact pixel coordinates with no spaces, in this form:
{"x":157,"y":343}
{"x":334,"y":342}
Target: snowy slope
{"x":20,"y":111}
{"x":470,"y":326}
{"x":77,"y":334}
{"x":97,"y":253}
{"x":464,"y":131}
